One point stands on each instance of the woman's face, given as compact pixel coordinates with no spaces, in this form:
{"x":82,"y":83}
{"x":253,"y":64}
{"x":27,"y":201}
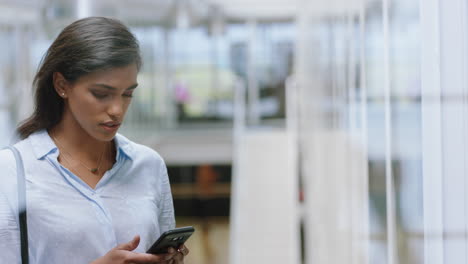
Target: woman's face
{"x":98,"y":101}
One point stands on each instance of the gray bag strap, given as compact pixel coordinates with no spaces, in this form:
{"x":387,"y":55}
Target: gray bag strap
{"x":23,"y":223}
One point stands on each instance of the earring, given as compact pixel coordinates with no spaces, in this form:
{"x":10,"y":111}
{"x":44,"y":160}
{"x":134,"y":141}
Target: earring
{"x":63,"y":94}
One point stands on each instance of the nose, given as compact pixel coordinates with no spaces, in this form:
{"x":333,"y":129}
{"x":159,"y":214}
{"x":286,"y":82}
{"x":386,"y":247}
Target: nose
{"x":116,"y":108}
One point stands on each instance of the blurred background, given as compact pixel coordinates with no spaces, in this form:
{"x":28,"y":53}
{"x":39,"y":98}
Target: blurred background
{"x":294,"y":131}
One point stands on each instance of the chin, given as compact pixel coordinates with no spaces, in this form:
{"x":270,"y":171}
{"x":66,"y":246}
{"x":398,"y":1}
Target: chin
{"x":103,"y":136}
{"x":109,"y":137}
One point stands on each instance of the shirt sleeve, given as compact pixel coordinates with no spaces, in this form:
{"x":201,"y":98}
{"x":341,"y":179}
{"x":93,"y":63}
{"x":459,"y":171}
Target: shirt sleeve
{"x":166,"y":207}
{"x":9,"y":233}
{"x":9,"y":229}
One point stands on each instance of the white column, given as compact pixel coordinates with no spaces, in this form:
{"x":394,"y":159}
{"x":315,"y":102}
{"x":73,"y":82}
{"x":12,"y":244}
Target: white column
{"x":392,"y":254}
{"x":431,"y":132}
{"x":264,"y":211}
{"x":170,"y":109}
{"x":83,"y":8}
{"x":453,"y":68}
{"x":23,"y":76}
{"x":239,"y":128}
{"x":252,"y":81}
{"x":293,"y":149}
{"x":363,"y":134}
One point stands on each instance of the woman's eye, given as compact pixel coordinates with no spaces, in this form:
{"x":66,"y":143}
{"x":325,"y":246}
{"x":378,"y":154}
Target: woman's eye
{"x":99,"y":95}
{"x":128,"y":95}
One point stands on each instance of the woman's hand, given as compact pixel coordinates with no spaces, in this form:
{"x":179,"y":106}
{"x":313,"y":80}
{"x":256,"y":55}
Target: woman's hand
{"x":122,"y":254}
{"x":179,"y":255}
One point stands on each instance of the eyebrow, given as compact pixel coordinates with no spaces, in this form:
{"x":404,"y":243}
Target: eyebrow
{"x":113,"y":88}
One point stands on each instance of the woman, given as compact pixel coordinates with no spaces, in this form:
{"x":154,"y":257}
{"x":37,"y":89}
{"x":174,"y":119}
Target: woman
{"x":93,"y":196}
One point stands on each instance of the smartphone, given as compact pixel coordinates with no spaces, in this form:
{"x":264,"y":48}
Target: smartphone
{"x":171,"y":238}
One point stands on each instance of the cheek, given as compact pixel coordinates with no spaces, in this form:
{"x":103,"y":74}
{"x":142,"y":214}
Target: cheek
{"x":85,"y":109}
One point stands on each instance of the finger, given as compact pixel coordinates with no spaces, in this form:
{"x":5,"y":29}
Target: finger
{"x":130,"y":245}
{"x":144,"y":258}
{"x":179,"y":258}
{"x":172,"y":261}
{"x":184,"y":250}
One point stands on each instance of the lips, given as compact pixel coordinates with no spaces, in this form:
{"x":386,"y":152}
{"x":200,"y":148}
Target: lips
{"x":110,"y":126}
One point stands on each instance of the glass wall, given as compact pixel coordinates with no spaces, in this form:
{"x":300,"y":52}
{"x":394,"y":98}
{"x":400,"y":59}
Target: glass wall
{"x":383,"y":135}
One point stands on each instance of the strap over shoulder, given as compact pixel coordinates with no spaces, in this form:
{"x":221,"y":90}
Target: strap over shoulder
{"x":23,"y":223}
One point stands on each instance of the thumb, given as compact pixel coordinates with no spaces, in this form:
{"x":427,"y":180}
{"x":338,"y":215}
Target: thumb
{"x":130,"y":246}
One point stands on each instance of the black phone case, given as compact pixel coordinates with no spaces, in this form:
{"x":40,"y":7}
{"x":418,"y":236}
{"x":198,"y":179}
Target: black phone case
{"x":171,"y":238}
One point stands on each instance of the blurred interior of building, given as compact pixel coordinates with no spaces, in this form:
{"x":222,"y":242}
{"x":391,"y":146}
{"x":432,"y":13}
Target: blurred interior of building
{"x":294,"y":131}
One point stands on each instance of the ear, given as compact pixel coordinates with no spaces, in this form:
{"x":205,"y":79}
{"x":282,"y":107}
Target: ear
{"x":60,"y":84}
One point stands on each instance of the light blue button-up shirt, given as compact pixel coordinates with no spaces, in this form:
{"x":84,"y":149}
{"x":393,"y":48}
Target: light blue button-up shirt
{"x":70,"y":222}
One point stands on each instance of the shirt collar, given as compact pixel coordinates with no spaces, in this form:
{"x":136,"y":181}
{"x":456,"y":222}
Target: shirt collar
{"x":124,"y":146}
{"x":43,"y":145}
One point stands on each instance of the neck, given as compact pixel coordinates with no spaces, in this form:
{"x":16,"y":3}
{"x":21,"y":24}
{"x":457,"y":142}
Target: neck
{"x":75,"y":140}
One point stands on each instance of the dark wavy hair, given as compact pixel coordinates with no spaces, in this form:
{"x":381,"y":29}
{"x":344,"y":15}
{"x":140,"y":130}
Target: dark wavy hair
{"x":83,"y":47}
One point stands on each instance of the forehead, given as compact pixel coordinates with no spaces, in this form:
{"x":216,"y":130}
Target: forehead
{"x":119,"y":77}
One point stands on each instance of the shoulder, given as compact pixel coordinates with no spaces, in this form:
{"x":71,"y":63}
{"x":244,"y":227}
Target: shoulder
{"x":147,"y":153}
{"x":34,"y":146}
{"x":139,"y":152}
{"x":7,"y":158}
{"x":7,"y":161}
